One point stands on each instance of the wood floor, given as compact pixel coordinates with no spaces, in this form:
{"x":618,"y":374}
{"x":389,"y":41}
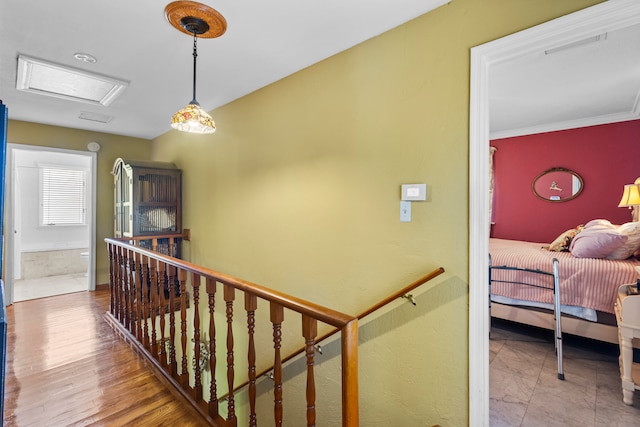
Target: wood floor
{"x":66,"y":367}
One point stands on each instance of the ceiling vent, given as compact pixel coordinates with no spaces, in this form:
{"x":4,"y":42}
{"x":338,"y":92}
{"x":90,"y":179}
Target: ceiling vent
{"x":94,"y":117}
{"x":588,"y":40}
{"x":47,"y":78}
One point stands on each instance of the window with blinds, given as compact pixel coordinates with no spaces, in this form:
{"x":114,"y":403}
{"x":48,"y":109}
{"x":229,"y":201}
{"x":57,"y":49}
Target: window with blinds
{"x":62,"y":196}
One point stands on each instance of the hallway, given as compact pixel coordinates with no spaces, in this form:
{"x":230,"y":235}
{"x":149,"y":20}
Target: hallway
{"x":65,"y":366}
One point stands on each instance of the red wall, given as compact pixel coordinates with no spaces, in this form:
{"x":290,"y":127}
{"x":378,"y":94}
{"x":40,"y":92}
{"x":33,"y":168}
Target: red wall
{"x":605,"y":156}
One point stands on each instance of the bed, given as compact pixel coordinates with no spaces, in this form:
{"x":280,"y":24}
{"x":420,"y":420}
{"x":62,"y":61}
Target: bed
{"x":588,"y":285}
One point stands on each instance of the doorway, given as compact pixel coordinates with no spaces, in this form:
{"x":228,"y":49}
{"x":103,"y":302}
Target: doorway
{"x":571,"y":28}
{"x":50,"y":222}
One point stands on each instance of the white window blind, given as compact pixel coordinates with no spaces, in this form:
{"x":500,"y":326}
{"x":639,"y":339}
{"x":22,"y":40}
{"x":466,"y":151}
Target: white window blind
{"x":62,"y":196}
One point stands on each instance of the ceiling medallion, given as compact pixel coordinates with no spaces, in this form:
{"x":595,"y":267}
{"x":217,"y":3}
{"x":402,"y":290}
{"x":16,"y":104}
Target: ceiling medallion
{"x":191,"y":17}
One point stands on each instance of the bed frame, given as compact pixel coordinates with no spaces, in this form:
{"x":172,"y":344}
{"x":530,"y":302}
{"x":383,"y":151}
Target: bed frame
{"x":545,"y":319}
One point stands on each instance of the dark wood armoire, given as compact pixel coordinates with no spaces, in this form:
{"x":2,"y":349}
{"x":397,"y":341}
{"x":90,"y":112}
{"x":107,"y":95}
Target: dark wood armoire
{"x":148,"y":202}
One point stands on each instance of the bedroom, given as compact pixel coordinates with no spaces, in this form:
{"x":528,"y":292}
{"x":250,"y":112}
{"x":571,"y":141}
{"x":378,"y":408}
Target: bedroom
{"x":603,"y":156}
{"x":568,"y":103}
{"x":571,"y":105}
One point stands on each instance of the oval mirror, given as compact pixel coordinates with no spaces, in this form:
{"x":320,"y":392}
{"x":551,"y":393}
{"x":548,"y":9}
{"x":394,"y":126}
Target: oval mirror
{"x":557,"y":185}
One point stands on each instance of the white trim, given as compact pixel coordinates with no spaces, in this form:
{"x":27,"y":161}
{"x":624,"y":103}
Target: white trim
{"x":92,"y":215}
{"x":569,"y":124}
{"x":10,"y":224}
{"x":606,"y":16}
{"x":10,"y":217}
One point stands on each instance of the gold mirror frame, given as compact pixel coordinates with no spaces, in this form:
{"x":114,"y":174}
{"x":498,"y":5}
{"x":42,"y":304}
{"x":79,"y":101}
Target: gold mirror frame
{"x":557,"y":185}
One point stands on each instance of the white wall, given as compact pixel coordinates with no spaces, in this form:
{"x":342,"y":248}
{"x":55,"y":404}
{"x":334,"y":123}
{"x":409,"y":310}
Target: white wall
{"x":31,"y":236}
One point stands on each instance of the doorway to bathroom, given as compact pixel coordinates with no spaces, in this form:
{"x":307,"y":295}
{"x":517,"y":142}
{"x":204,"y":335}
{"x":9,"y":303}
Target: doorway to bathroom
{"x":50,"y":222}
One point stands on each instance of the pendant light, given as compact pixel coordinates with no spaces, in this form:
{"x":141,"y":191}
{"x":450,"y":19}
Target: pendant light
{"x":199,"y":20}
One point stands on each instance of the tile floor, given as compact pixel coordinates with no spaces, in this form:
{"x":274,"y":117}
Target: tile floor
{"x":48,"y":286}
{"x":525,"y":390}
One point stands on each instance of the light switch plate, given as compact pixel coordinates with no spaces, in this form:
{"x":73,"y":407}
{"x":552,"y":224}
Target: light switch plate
{"x":414,"y":192}
{"x":405,"y":211}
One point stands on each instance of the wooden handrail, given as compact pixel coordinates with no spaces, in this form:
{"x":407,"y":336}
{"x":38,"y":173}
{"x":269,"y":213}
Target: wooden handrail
{"x":421,"y":281}
{"x":326,"y":315}
{"x":150,"y":294}
{"x":185,"y":235}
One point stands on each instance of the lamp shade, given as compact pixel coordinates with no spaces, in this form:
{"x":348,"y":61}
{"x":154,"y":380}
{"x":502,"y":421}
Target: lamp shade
{"x":194,"y":119}
{"x":630,"y":196}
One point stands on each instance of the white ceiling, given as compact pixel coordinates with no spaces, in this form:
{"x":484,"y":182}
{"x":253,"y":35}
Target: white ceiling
{"x":264,"y":42}
{"x":580,"y":84}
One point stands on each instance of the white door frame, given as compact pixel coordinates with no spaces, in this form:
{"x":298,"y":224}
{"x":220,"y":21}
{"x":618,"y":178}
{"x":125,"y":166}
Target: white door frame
{"x":10,"y":220}
{"x":614,"y":14}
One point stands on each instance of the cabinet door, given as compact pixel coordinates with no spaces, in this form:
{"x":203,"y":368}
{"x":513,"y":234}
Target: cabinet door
{"x":157,"y":201}
{"x":122,"y":203}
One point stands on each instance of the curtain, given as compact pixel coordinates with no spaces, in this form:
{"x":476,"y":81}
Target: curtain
{"x":492,"y":151}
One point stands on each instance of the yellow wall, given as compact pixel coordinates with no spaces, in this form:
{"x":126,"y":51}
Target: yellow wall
{"x":113,"y":146}
{"x":299,"y":190}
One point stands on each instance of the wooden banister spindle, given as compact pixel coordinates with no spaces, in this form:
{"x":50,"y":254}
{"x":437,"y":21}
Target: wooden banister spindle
{"x":171,"y":272}
{"x":162,"y":279}
{"x":118,"y":285}
{"x":153,"y":304}
{"x":138,"y":296}
{"x":144,"y":265}
{"x":123,"y":286}
{"x":130,"y":291}
{"x":277,"y":317}
{"x":309,"y":332}
{"x":251,"y":305}
{"x":110,"y":249}
{"x":182,"y":279}
{"x":197,"y":381}
{"x":213,"y":392}
{"x":125,"y":289}
{"x":154,"y":244}
{"x":172,"y":246}
{"x":229,"y":297}
{"x":116,"y":281}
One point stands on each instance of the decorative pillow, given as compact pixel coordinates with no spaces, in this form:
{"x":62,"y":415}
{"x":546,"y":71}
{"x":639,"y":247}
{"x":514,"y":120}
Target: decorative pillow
{"x":563,"y":241}
{"x":632,"y":231}
{"x":597,"y":241}
{"x":599,"y":222}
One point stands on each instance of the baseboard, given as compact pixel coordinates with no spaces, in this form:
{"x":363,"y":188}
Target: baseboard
{"x":102,"y":287}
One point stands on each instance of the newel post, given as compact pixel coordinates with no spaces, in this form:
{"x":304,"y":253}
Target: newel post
{"x":350,"y":415}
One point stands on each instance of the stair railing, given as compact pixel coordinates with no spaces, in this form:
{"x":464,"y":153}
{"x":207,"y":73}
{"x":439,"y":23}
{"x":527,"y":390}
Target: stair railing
{"x":150,"y":293}
{"x":402,"y":293}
